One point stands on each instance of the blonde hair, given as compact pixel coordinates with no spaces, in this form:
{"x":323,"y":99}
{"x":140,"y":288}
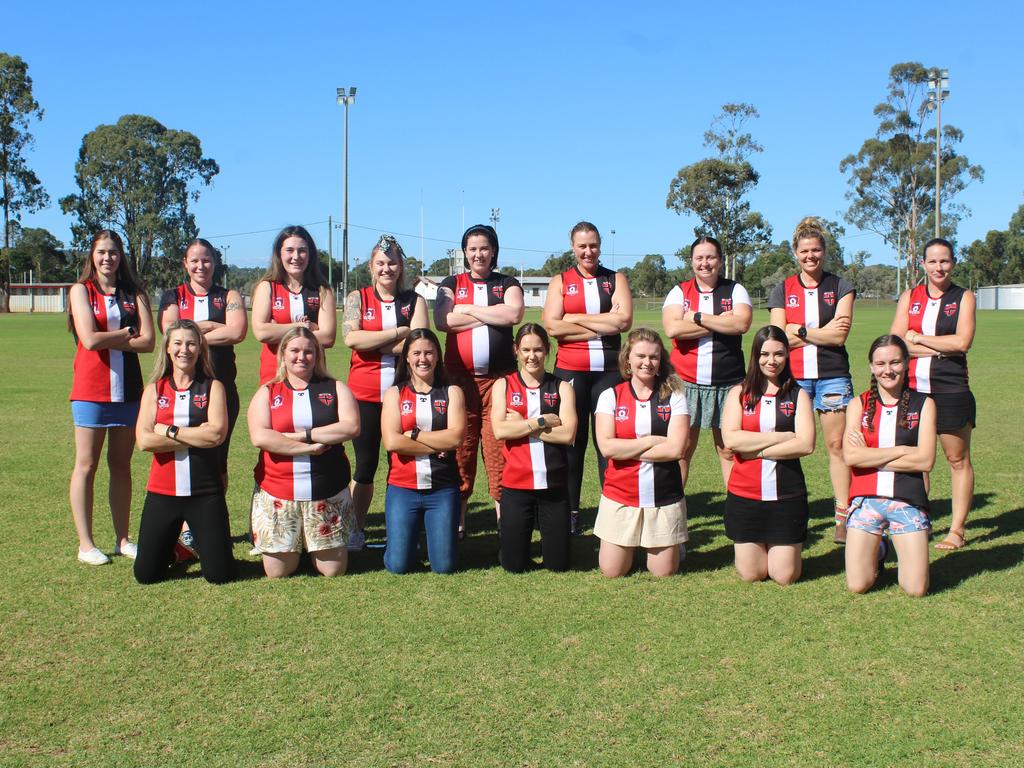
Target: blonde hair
{"x":163,"y":366}
{"x":810,"y":226}
{"x":666,"y":382}
{"x":319,"y":364}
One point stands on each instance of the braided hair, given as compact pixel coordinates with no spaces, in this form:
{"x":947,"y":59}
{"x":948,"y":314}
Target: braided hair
{"x":872,"y":398}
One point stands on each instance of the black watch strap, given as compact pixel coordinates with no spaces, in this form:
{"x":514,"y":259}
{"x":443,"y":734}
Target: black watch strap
{"x":415,"y":434}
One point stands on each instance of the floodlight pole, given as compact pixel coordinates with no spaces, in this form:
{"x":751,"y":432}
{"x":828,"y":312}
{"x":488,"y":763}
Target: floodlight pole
{"x":613,"y":250}
{"x":938,"y":91}
{"x":346,"y":97}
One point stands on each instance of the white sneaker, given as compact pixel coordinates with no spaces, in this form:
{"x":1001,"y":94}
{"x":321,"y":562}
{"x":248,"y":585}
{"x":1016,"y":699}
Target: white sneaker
{"x":128,"y":549}
{"x":93,"y":557}
{"x":356,"y":541}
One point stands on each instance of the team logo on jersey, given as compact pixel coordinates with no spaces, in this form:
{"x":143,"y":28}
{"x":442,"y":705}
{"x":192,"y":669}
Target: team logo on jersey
{"x":278,"y":302}
{"x":313,"y":302}
{"x":111,"y":301}
{"x":915,"y":308}
{"x":183,"y":303}
{"x":218,"y":302}
{"x":441,"y":406}
{"x":788,"y":407}
{"x":571,"y":289}
{"x":326,"y":398}
{"x":369,"y":314}
{"x":277,"y":402}
{"x":406,"y":311}
{"x":664,"y":411}
{"x":517,"y":399}
{"x":749,"y":410}
{"x":551,"y":399}
{"x":622,"y":413}
{"x":606,"y":286}
{"x":949,"y":310}
{"x":498,"y":291}
{"x":129,"y":307}
{"x":686,"y":305}
{"x":200,"y":400}
{"x":406,"y":407}
{"x":829,"y":297}
{"x":463,"y":292}
{"x":163,"y":402}
{"x":912,"y":419}
{"x":727,"y":305}
{"x":793,"y":300}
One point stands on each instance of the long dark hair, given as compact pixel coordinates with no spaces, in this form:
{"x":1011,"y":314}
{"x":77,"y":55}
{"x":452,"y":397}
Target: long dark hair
{"x":872,"y":398}
{"x":127,"y":281}
{"x":755,"y":381}
{"x":402,"y":366}
{"x":312,"y":277}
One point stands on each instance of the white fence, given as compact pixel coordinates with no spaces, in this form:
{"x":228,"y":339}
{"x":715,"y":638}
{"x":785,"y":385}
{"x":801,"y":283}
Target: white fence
{"x":1001,"y":297}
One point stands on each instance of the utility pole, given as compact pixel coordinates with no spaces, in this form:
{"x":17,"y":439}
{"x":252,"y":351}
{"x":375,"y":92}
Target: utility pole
{"x":938,"y":91}
{"x":346,"y":97}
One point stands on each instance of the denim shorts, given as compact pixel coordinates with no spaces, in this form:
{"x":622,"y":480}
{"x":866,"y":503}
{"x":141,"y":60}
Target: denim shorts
{"x":875,"y":514}
{"x":828,"y":394}
{"x":87,"y":413}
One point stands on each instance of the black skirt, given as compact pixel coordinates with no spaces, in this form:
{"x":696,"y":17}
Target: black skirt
{"x":748,"y":521}
{"x":954,"y":410}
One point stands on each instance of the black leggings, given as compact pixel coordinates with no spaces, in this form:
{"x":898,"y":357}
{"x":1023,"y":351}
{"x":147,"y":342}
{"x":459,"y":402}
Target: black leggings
{"x":587,"y":386}
{"x":207,"y":518}
{"x":367,"y":445}
{"x":521,"y":511}
{"x":234,"y":406}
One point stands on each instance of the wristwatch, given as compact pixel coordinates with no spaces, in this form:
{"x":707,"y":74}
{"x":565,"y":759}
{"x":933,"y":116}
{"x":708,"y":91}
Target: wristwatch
{"x":172,"y":431}
{"x":542,"y":422}
{"x":697,"y":317}
{"x":802,"y":331}
{"x":414,"y":435}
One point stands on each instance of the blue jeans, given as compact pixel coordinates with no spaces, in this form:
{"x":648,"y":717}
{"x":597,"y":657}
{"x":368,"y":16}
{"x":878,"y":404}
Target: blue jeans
{"x":828,"y":394}
{"x":405,"y":512}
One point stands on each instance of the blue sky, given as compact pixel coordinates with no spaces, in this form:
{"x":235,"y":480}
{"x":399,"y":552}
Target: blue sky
{"x":551,"y":112}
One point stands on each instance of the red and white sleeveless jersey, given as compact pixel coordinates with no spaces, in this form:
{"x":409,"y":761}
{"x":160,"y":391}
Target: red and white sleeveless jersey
{"x":936,"y":317}
{"x":303,"y":478}
{"x":287,"y":307}
{"x":591,"y":296}
{"x":186,"y":471}
{"x":487,"y":350}
{"x":887,"y":433}
{"x":209,"y":306}
{"x":813,"y":308}
{"x":372,"y":372}
{"x":634,"y":482}
{"x":768,"y":479}
{"x":108,"y":375}
{"x":716,"y":359}
{"x":530,"y":463}
{"x":429,"y":412}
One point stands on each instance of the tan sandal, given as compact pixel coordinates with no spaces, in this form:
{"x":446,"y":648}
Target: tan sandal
{"x":840,"y":534}
{"x":954,"y":540}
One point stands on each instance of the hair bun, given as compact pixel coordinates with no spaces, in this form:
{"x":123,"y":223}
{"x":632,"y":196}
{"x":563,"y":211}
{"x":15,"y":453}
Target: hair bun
{"x":809,"y":226}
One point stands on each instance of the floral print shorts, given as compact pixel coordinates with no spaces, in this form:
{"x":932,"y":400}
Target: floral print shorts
{"x":280,"y":525}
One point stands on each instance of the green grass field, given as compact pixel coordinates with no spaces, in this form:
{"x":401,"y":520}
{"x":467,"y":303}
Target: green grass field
{"x":485,"y":668}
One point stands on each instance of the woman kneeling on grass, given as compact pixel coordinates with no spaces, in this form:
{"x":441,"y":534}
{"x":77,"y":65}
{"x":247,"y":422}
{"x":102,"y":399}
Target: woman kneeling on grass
{"x":423,"y":422}
{"x":642,"y":426}
{"x":534,"y":413}
{"x":889,"y":445}
{"x":302,"y":498}
{"x":768,"y":423}
{"x":183,"y":420}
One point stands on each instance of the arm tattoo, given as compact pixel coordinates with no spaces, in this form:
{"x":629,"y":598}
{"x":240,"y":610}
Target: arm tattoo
{"x":232,"y":306}
{"x":353,"y":310}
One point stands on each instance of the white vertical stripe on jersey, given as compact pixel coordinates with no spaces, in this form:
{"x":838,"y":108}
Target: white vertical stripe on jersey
{"x":645,"y":472}
{"x":425,"y":421}
{"x":811,"y":320}
{"x":592,"y":301}
{"x":705,"y":343}
{"x":297,"y":307}
{"x":481,"y":336}
{"x":923,"y":367}
{"x":887,"y":439}
{"x":769,"y":478}
{"x":182,"y":469}
{"x":115,"y":356}
{"x":201,"y":308}
{"x":302,"y":467}
{"x":537,"y":463}
{"x":388,"y":320}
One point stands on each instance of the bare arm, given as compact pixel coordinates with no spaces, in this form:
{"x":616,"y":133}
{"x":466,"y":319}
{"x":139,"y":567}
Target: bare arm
{"x":739,"y":440}
{"x":446,"y":318}
{"x":553,"y":313}
{"x":834,"y":332}
{"x":509,"y":312}
{"x":954,"y":344}
{"x":235,"y":326}
{"x":85,"y":324}
{"x":618,"y":320}
{"x":566,"y":432}
{"x":326,"y":324}
{"x":437,"y":441}
{"x":145,"y":339}
{"x":673,"y":446}
{"x":152,"y":437}
{"x":900,"y":458}
{"x":620,"y":448}
{"x":265,"y":438}
{"x":167,"y":315}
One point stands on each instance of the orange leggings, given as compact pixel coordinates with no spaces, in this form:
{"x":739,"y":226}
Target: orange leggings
{"x":477,"y":390}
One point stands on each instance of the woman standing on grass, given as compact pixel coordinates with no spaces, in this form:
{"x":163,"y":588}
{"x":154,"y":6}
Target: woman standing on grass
{"x":299,"y":421}
{"x":937,"y":320}
{"x":815,"y":309}
{"x":182,"y":422}
{"x":642,"y":426}
{"x":536,"y":424}
{"x":587,"y":309}
{"x":423,"y":422}
{"x":706,"y":317}
{"x":377,"y":321}
{"x":220,"y":315}
{"x":109,"y":315}
{"x":292,"y":294}
{"x":477,"y":309}
{"x":890,"y":446}
{"x":769,"y":424}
